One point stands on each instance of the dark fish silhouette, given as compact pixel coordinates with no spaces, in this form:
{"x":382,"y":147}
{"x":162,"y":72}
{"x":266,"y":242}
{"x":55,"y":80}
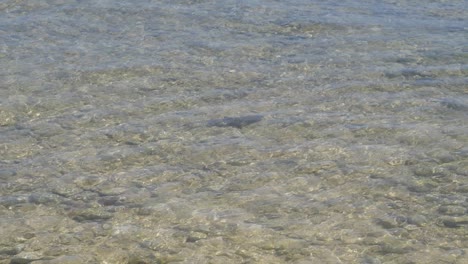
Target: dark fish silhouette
{"x":453,"y":104}
{"x":237,"y":122}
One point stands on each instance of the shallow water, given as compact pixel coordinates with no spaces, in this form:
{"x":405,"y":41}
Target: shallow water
{"x":233,"y":131}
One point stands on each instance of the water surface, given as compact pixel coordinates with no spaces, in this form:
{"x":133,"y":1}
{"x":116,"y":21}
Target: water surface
{"x":233,"y":131}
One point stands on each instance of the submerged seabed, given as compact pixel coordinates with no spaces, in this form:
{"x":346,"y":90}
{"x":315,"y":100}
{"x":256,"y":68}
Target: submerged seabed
{"x":233,"y":131}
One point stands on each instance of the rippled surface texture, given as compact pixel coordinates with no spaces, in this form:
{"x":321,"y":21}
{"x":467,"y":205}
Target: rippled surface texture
{"x":233,"y":131}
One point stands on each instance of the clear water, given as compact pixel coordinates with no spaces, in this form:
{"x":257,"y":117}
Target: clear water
{"x":233,"y":131}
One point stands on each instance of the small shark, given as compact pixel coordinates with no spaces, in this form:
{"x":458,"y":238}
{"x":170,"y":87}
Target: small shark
{"x":237,"y":122}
